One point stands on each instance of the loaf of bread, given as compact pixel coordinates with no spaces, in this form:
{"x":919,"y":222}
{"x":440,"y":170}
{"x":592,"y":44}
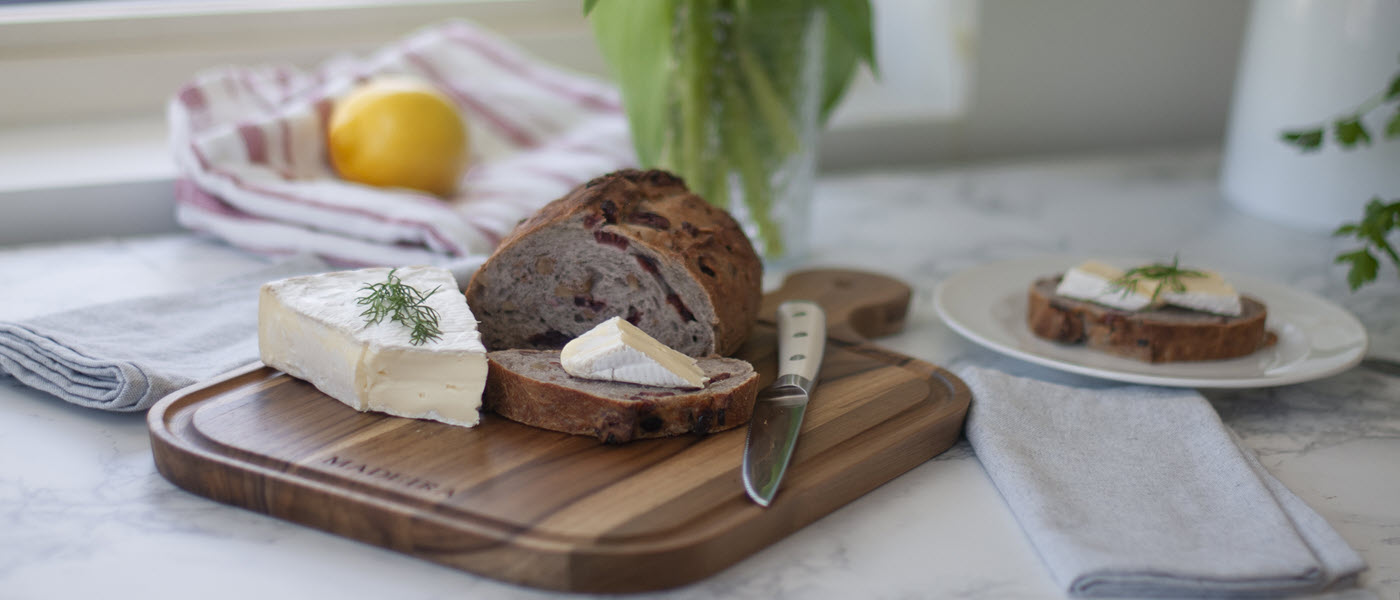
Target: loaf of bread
{"x":631,"y":244}
{"x":530,"y":387}
{"x":1166,"y":334}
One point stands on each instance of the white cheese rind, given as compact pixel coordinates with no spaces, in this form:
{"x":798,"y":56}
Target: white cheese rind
{"x":1093,"y":281}
{"x":616,"y":350}
{"x":311,"y":328}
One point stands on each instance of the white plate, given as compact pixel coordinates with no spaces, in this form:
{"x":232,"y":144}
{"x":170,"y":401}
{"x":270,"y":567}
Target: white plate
{"x":1316,"y":338}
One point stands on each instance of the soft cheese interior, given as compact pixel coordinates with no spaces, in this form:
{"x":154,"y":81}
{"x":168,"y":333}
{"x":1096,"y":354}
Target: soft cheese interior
{"x":616,"y":350}
{"x":311,"y":328}
{"x":1094,"y":281}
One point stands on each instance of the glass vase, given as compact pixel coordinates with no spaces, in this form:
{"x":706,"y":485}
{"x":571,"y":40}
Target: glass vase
{"x":741,"y":115}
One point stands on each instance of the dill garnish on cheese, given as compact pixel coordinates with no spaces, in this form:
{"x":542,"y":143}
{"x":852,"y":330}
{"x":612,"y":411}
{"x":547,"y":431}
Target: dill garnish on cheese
{"x":1167,"y":276}
{"x":397,"y":301}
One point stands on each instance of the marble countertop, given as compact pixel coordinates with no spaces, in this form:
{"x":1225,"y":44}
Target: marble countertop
{"x":83,"y":512}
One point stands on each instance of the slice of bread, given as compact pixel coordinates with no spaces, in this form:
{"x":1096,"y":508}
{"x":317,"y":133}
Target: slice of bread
{"x":530,"y":387}
{"x":631,"y":244}
{"x":1167,"y":334}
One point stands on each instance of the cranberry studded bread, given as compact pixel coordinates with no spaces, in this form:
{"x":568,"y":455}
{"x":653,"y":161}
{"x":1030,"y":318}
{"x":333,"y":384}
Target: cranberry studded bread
{"x":1140,"y":324}
{"x":531,"y":387}
{"x":631,"y":244}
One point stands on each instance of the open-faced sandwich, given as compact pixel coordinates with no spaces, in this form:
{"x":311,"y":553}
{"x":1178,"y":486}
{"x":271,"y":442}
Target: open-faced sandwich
{"x":1153,"y":313}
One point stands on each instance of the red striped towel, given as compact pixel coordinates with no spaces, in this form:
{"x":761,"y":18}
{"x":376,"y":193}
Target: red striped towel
{"x":249,"y":144}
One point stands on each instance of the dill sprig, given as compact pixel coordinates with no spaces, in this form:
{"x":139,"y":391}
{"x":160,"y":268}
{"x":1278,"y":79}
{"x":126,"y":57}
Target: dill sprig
{"x":397,"y":301}
{"x":1169,"y":275}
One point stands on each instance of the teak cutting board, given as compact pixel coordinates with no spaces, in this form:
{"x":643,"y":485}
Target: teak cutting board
{"x":565,"y":512}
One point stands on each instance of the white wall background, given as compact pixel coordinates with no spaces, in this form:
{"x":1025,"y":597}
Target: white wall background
{"x":1073,"y":76}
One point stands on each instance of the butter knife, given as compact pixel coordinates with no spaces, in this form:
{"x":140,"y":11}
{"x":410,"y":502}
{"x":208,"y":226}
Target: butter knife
{"x":778,"y":411}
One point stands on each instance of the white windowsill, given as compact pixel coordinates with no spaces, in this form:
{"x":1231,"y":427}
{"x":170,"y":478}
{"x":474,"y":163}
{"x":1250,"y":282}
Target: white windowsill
{"x":101,"y":178}
{"x":90,"y":153}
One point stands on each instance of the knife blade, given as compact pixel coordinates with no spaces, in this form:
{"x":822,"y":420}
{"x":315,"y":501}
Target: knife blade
{"x":778,"y":411}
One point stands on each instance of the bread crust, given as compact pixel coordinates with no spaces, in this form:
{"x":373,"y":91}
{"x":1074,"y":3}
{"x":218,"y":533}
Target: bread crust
{"x":655,"y":209}
{"x":569,"y":406}
{"x":1155,"y":336}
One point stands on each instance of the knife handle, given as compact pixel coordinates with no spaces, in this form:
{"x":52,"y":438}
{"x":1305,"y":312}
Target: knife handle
{"x":801,"y":340}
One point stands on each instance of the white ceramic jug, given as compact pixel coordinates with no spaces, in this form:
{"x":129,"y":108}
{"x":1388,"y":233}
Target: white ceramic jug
{"x":1306,"y":63}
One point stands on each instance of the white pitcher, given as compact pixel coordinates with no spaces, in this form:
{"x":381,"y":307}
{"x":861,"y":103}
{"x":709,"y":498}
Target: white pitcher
{"x":1305,"y":63}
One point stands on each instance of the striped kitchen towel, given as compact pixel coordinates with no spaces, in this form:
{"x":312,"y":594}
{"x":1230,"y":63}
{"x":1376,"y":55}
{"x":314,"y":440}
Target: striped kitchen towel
{"x":249,"y":144}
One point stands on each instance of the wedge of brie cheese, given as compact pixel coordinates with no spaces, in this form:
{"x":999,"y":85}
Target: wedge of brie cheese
{"x":616,"y":350}
{"x":311,"y":328}
{"x":1098,"y":282}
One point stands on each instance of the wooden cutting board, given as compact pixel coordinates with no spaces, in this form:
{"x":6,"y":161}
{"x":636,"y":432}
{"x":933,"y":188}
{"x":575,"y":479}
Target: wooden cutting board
{"x":565,"y":512}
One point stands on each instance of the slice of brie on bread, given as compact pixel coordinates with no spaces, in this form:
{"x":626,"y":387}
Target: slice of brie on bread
{"x":1100,"y":283}
{"x":312,"y":328}
{"x":616,"y":350}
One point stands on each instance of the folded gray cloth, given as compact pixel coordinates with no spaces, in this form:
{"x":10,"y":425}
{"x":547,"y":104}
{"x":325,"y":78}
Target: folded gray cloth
{"x":1142,"y":491}
{"x":126,"y":355}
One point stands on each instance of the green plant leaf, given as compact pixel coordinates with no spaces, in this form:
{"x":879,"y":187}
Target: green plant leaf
{"x":1378,"y":221}
{"x":840,"y":68}
{"x":850,"y":40}
{"x":1350,"y":132}
{"x":588,"y":6}
{"x":1363,"y":268}
{"x":1306,"y":140}
{"x":1393,"y":92}
{"x":1377,"y":224}
{"x":1392,"y":128}
{"x":851,"y":21}
{"x":1389,"y":250}
{"x":1377,"y":215}
{"x":776,"y":115}
{"x":739,"y":145}
{"x":635,"y":39}
{"x":697,"y":63}
{"x":1374,"y":224}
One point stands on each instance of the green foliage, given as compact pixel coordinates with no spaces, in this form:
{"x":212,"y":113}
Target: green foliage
{"x":1375,"y":226}
{"x":1363,"y":267}
{"x":635,"y":39}
{"x":713,"y":87}
{"x":1380,"y":219}
{"x":850,"y":41}
{"x":1306,"y":140}
{"x":1350,"y":131}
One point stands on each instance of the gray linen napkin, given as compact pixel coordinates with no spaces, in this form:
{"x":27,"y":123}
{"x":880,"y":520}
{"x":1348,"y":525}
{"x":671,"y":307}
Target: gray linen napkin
{"x":126,"y":355}
{"x":1142,"y":491}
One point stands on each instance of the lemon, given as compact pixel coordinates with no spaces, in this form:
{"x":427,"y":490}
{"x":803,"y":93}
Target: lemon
{"x":398,"y":132}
